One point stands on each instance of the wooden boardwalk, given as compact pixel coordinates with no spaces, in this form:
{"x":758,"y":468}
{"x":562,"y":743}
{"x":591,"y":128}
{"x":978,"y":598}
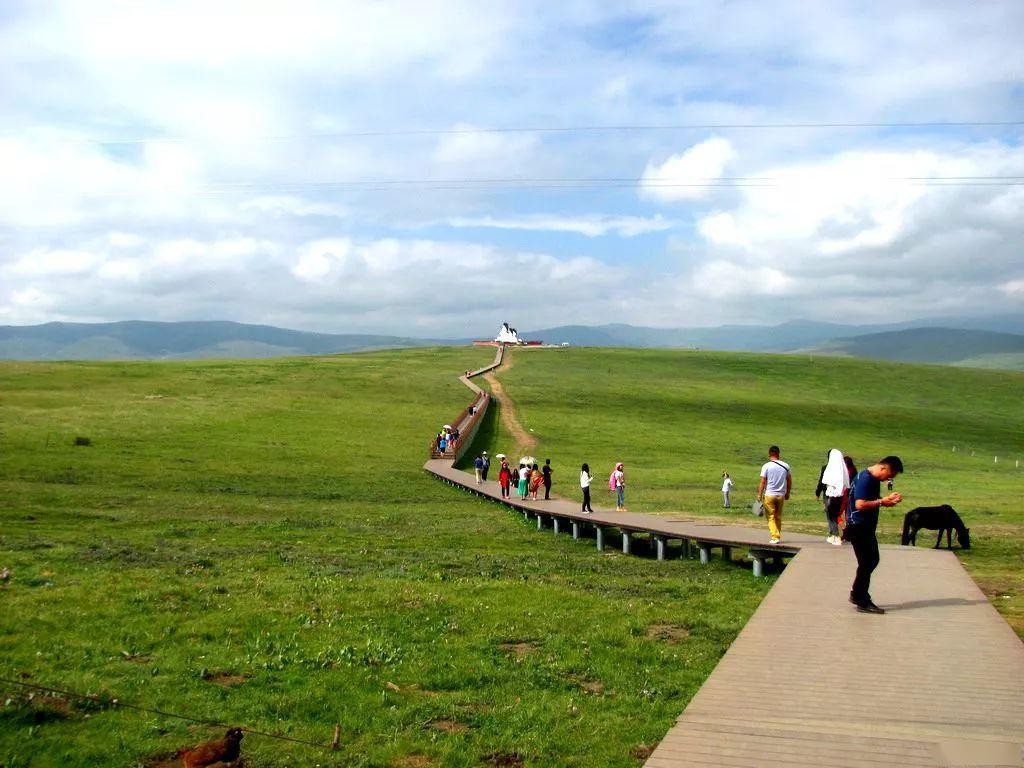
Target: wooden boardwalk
{"x":937,"y":681}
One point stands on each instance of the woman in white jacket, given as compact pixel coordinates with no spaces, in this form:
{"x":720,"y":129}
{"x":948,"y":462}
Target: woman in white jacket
{"x":836,"y":480}
{"x":585,"y":480}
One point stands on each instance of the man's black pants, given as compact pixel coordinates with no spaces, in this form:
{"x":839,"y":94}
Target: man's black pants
{"x":865,"y":547}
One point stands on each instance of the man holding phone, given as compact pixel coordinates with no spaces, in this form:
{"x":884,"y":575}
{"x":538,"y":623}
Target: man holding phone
{"x":862,"y":522}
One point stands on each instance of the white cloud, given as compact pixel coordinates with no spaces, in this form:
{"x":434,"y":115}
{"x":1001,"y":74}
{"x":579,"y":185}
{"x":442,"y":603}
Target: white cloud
{"x":239,"y":193}
{"x":686,"y":176}
{"x":588,"y":226}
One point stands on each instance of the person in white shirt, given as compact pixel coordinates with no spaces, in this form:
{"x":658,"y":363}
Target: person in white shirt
{"x":776,"y":483}
{"x":585,"y":480}
{"x":836,"y":481}
{"x":726,"y":488}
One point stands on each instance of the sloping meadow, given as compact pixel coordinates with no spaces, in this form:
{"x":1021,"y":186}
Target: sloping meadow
{"x":255,"y":544}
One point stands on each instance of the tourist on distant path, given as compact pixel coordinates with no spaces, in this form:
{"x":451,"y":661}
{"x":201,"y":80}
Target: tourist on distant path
{"x":478,"y":465}
{"x":524,"y":481}
{"x":726,"y":489}
{"x":442,"y":442}
{"x":536,"y":478}
{"x":546,"y":472}
{"x":851,"y":472}
{"x":618,"y":482}
{"x":776,"y":483}
{"x":585,"y":481}
{"x":865,"y":500}
{"x":836,"y":482}
{"x":504,"y":478}
{"x":487,"y":466}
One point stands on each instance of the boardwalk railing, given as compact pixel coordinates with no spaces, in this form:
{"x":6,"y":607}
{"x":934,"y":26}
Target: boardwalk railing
{"x":469,"y":419}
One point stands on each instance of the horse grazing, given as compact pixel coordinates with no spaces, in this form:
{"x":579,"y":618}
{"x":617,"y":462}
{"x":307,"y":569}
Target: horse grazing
{"x":941,"y":518}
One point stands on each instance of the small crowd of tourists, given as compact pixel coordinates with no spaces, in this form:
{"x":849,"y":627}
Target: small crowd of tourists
{"x":447,"y":438}
{"x":851,"y":499}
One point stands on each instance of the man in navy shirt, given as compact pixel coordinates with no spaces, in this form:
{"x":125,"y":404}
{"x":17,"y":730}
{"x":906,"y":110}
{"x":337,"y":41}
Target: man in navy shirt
{"x":862,"y":520}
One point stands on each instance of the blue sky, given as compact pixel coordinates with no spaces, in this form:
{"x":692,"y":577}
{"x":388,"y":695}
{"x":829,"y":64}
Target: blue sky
{"x":347,"y":167}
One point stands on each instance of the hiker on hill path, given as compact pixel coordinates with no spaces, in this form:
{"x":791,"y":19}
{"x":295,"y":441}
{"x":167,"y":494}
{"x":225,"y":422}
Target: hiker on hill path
{"x":546,"y":472}
{"x":486,"y":467}
{"x":776,"y":483}
{"x":478,"y":465}
{"x":504,"y":478}
{"x":726,"y":489}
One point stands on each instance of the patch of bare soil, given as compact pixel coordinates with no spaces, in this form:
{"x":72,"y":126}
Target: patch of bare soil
{"x":592,"y":686}
{"x":504,"y":760}
{"x":449,"y":726}
{"x":670,"y":633}
{"x":413,"y":761}
{"x":525,"y":442}
{"x":643,"y":751}
{"x":519,"y":648}
{"x":224,"y":679}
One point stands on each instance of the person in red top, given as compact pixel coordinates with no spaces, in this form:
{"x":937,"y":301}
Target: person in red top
{"x":504,"y":478}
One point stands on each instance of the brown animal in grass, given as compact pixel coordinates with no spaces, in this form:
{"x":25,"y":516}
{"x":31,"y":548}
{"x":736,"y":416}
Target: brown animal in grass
{"x":224,"y":750}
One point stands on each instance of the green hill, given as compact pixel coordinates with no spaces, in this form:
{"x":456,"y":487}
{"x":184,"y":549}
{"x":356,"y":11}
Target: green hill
{"x":933,"y":345}
{"x":256,"y":543}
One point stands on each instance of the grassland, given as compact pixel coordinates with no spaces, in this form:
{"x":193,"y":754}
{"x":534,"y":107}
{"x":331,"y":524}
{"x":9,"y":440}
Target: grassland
{"x":255,"y":543}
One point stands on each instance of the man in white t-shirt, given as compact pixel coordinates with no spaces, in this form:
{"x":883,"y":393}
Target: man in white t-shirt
{"x":776,"y":483}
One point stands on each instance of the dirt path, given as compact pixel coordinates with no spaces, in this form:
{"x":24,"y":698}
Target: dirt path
{"x":525,"y":442}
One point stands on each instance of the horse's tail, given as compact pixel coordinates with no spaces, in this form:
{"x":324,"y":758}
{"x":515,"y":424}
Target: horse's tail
{"x":906,"y":529}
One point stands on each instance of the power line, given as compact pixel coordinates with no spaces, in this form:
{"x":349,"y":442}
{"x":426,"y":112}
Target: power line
{"x":115,"y":702}
{"x":567,"y":129}
{"x":499,"y":184}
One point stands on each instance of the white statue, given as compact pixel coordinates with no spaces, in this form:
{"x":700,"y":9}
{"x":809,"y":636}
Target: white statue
{"x":507,"y":335}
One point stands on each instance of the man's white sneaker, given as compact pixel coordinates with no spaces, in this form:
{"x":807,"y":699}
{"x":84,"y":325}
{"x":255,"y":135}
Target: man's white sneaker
{"x":773,"y":541}
{"x":836,"y":541}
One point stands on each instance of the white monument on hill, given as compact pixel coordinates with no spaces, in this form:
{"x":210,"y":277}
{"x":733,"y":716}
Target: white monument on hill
{"x":507,"y":335}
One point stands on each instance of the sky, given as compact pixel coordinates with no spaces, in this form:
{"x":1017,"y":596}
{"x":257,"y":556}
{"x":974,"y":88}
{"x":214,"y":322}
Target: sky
{"x":436,"y":168}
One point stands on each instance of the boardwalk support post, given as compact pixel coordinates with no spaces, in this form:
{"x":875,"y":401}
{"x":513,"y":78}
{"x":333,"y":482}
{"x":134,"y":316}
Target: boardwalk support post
{"x":575,"y":530}
{"x":625,"y":542}
{"x":727,"y":554}
{"x":556,"y":524}
{"x":659,"y":542}
{"x":686,"y":549}
{"x":758,"y":566}
{"x":705,"y":552}
{"x":600,"y":539}
{"x":540,"y":522}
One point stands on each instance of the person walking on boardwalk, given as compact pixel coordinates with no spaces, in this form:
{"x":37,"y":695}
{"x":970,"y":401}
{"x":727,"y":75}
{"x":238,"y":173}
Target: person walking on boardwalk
{"x":585,"y":480}
{"x":486,"y":467}
{"x":504,"y":478}
{"x":865,"y":501}
{"x":546,"y":473}
{"x":536,"y":478}
{"x":776,"y":483}
{"x":617,"y":482}
{"x":726,"y":490}
{"x":524,"y":480}
{"x":835,"y":482}
{"x":478,"y":465}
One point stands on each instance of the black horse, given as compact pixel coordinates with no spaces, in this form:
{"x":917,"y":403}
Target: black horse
{"x":941,"y":518}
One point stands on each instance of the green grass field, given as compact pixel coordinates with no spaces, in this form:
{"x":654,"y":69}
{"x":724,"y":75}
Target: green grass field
{"x":256,"y":543}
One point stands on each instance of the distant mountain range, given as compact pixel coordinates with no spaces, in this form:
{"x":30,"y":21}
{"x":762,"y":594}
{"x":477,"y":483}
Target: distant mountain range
{"x":996,"y":342}
{"x":142,"y":340}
